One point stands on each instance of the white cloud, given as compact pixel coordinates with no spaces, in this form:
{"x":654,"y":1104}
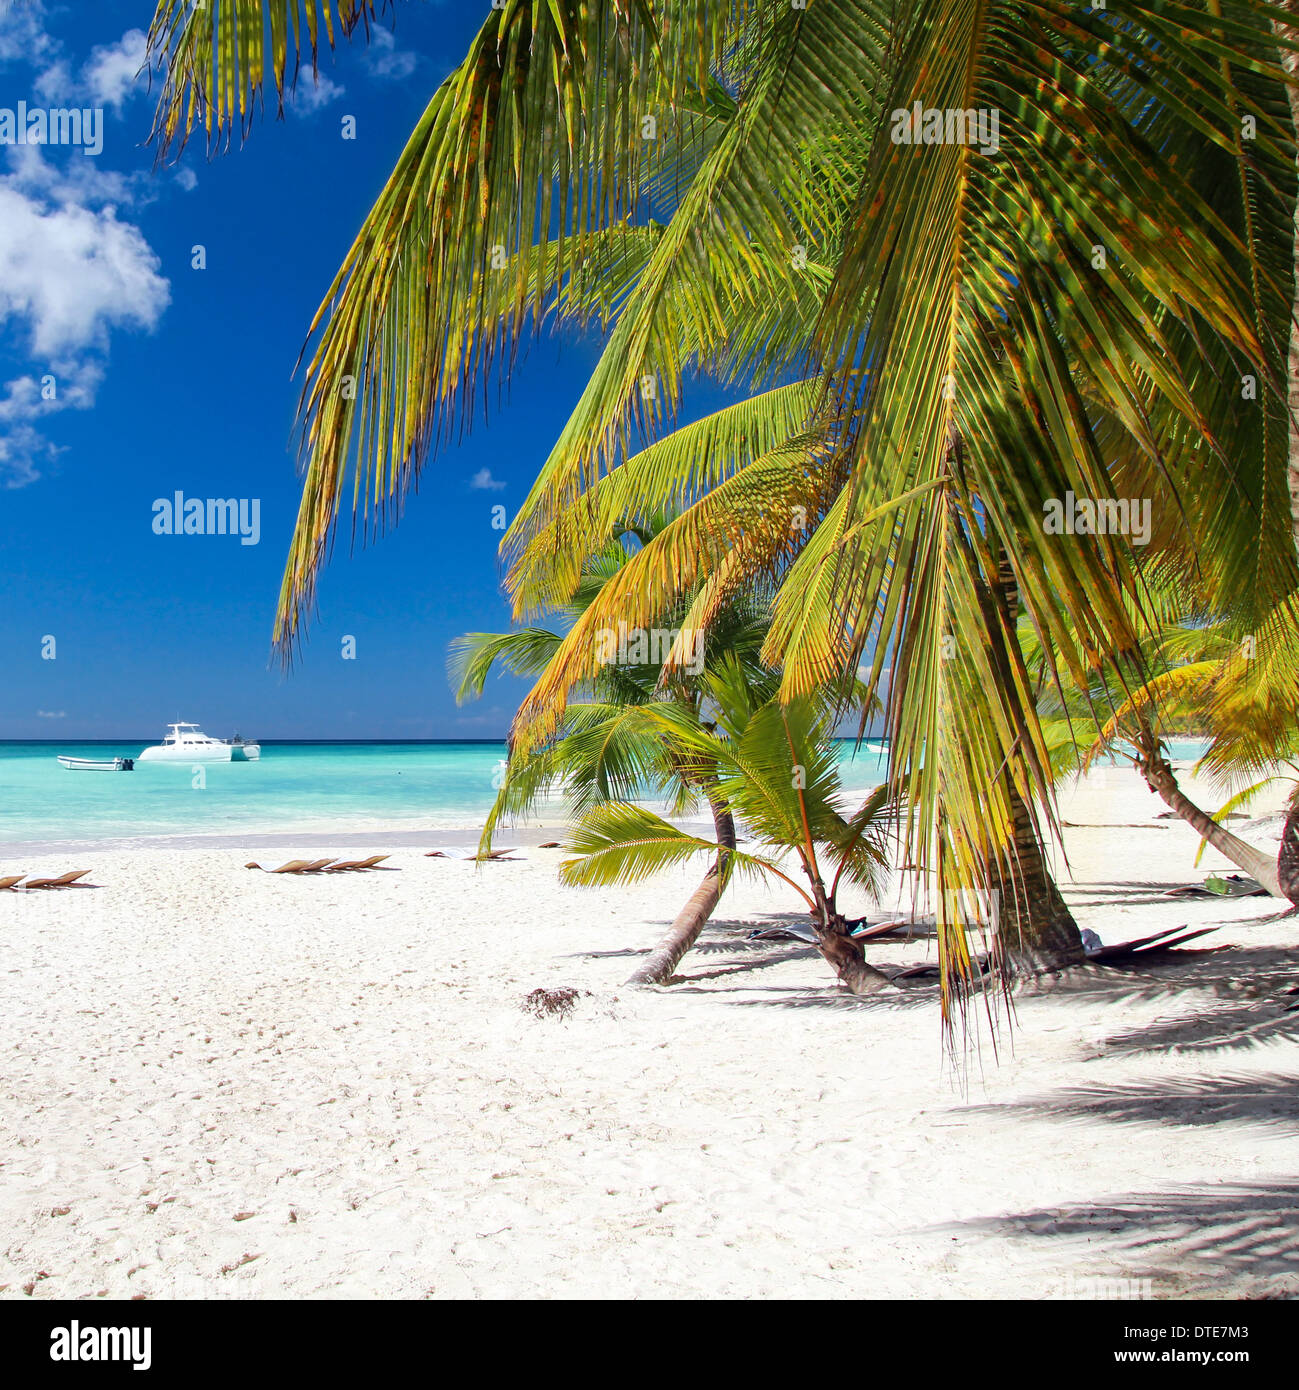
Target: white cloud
{"x":385,"y":60}
{"x":309,"y":96}
{"x":110,"y":75}
{"x":51,"y":714}
{"x":483,"y":479}
{"x":187,"y":178}
{"x":24,"y":451}
{"x":71,"y":272}
{"x":22,"y":34}
{"x":55,"y":82}
{"x":76,"y":180}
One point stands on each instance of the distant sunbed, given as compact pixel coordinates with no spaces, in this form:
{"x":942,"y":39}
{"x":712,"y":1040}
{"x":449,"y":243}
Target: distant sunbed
{"x":347,"y":865}
{"x":859,"y":930}
{"x":63,"y":880}
{"x":494,"y":854}
{"x":295,"y":866}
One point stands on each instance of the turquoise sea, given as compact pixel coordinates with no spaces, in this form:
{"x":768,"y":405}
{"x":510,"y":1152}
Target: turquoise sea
{"x":344,"y":788}
{"x":300,"y":786}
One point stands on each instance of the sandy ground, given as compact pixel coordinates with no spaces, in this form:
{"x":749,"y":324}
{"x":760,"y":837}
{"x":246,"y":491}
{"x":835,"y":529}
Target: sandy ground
{"x":219,"y":1084}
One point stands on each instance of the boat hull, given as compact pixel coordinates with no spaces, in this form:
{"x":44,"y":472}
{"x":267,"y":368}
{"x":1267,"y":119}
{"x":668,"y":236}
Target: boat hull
{"x":93,"y":765}
{"x":193,"y":753}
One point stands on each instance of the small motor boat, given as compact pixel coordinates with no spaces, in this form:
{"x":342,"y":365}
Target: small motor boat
{"x":97,"y":765}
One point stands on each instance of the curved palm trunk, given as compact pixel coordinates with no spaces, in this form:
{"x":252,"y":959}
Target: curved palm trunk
{"x":1255,"y":862}
{"x":1288,"y":860}
{"x":658,"y":967}
{"x":1035,"y":929}
{"x":833,"y":939}
{"x":844,"y":955}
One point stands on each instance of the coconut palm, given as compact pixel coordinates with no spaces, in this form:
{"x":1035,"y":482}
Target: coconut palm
{"x":993,"y":331}
{"x":777,"y":767}
{"x":1050,"y":365}
{"x":616,"y":744}
{"x":1189,"y":664}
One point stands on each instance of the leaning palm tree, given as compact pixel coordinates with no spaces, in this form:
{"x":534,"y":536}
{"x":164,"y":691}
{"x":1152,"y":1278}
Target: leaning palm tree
{"x":1017,"y":421}
{"x":1188,"y":664}
{"x":988,"y":320}
{"x":614,"y":744}
{"x":611,"y":748}
{"x":777,"y":767}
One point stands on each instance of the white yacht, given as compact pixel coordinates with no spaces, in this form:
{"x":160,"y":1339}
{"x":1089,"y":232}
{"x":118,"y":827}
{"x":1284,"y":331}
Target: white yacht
{"x":187,"y":743}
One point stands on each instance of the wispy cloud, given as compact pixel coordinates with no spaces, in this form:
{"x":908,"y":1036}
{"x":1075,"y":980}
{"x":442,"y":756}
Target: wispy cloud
{"x":110,"y":77}
{"x":51,"y":714}
{"x":114,"y":73}
{"x":22,"y":34}
{"x":385,"y":60}
{"x":310,"y":96}
{"x":483,"y":479}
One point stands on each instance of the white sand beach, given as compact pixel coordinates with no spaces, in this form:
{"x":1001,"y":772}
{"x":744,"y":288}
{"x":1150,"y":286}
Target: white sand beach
{"x":222,"y":1084}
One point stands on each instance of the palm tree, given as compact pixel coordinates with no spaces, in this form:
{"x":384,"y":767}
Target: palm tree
{"x":1040,"y":380}
{"x":992,"y":331}
{"x":1188,"y":664}
{"x":615,"y":744}
{"x":777,"y":767}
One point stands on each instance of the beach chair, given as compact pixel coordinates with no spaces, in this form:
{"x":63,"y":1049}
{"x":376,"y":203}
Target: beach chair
{"x":63,"y":880}
{"x":9,"y":882}
{"x":494,"y":855}
{"x":1145,"y":946}
{"x":295,"y":866}
{"x":348,"y":865}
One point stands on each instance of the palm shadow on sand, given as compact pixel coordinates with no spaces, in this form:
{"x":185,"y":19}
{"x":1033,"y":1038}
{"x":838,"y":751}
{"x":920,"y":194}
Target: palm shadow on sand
{"x":1270,"y":1099}
{"x":1196,"y":1234}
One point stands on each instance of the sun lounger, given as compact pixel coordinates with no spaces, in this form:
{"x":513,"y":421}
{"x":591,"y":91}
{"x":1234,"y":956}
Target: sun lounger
{"x":1146,"y":945}
{"x":295,"y":866}
{"x":859,"y":930}
{"x":894,"y":927}
{"x":931,"y":970}
{"x":9,"y":882}
{"x":63,"y":880}
{"x":495,"y":854}
{"x":347,"y":865}
{"x":1230,"y":886}
{"x":795,"y":931}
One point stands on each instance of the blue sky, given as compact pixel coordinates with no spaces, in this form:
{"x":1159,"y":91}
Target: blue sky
{"x":175,"y":379}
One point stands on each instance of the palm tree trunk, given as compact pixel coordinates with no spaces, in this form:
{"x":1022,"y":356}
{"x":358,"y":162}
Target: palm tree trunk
{"x":659,"y":965}
{"x":1288,"y":860}
{"x":1035,"y":929}
{"x":844,"y":955}
{"x":1255,"y":862}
